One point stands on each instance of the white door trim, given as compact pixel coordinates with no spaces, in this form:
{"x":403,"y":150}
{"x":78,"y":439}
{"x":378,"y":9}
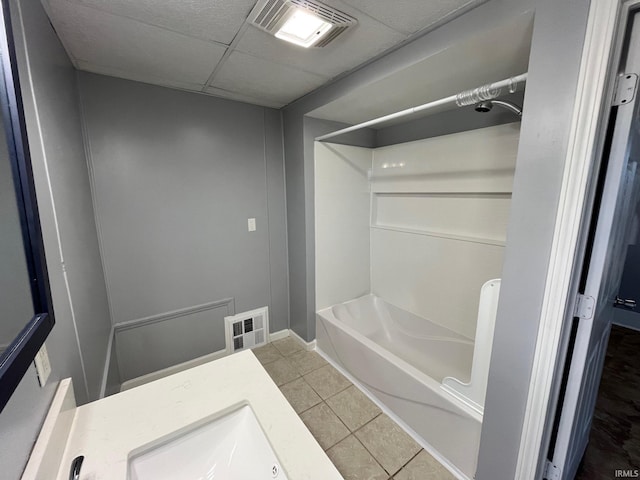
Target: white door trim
{"x":585,"y":142}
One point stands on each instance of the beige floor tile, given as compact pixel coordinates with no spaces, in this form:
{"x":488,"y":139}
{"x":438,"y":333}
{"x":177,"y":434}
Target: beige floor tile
{"x":327,"y":381}
{"x":388,"y":443}
{"x":300,"y":395}
{"x":287,"y":346}
{"x":325,"y":426}
{"x":353,"y":407}
{"x":306,"y":362}
{"x":424,"y":467}
{"x":281,"y":371}
{"x":267,"y":354}
{"x":354,"y":462}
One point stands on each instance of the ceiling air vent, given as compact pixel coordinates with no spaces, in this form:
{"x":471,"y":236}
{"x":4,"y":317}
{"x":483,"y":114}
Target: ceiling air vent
{"x":304,"y":22}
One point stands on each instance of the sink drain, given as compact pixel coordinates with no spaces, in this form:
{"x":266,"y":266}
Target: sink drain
{"x":275,"y":470}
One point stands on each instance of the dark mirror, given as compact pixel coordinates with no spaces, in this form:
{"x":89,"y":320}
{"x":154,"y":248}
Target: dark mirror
{"x":15,"y":291}
{"x":26,"y":316}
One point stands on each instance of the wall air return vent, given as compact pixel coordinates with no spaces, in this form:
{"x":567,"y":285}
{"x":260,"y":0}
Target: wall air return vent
{"x":247,"y":329}
{"x":304,"y":22}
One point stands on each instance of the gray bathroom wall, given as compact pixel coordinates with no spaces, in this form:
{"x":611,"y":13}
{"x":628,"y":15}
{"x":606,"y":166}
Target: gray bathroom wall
{"x":63,"y":190}
{"x":175,"y":176}
{"x":48,"y":83}
{"x":277,"y":221}
{"x":168,"y":340}
{"x":556,"y":52}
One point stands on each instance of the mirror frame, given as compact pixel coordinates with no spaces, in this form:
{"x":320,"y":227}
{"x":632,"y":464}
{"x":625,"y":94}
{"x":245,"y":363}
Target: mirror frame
{"x":15,"y":360}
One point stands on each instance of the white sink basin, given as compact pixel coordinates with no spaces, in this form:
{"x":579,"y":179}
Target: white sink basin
{"x":232,"y":447}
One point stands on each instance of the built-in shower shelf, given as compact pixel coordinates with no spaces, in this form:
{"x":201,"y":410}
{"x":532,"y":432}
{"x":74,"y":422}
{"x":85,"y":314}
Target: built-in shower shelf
{"x":470,"y":217}
{"x":463,"y":238}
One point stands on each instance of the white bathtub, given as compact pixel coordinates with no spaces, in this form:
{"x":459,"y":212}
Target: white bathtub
{"x":402,"y":359}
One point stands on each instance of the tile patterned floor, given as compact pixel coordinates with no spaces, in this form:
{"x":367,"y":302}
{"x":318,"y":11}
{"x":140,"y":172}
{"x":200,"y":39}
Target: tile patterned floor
{"x":361,"y":441}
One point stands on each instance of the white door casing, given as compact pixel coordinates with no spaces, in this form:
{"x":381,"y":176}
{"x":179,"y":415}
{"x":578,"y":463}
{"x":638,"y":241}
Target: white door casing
{"x":603,"y":39}
{"x":608,"y":253}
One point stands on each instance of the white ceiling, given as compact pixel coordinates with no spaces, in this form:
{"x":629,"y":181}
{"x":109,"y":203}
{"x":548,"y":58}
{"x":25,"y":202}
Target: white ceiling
{"x":207,"y":46}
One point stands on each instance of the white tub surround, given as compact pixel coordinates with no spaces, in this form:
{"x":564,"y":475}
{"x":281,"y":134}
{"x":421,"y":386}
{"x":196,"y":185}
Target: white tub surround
{"x":439,"y":214}
{"x":342,"y":205}
{"x":112,"y":430}
{"x":402,"y":359}
{"x":423,"y":226}
{"x":473,"y":392}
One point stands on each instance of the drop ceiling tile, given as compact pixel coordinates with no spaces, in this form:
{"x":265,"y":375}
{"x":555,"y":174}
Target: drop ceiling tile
{"x":409,"y":16}
{"x":218,"y":92}
{"x":120,"y":44}
{"x":357,"y":45}
{"x":260,"y":78}
{"x":208,"y":19}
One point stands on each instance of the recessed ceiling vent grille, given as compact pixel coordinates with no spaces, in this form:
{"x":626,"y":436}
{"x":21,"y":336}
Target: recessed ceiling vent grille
{"x":271,"y":15}
{"x":247,"y":329}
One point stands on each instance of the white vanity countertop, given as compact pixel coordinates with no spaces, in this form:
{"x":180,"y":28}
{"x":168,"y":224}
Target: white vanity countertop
{"x":106,"y":431}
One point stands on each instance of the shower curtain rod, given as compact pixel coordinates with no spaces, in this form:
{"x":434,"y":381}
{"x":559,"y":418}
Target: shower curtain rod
{"x":462,"y":99}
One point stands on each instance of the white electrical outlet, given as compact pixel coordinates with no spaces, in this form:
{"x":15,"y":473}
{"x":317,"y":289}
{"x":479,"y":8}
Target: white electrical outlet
{"x":43,"y":366}
{"x":251,"y":224}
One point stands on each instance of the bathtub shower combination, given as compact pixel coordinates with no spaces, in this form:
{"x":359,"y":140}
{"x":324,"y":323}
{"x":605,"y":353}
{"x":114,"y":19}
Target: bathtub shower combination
{"x":409,"y":246}
{"x":431,"y":377}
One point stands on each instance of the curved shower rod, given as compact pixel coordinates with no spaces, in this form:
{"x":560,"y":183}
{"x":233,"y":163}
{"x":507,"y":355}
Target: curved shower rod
{"x":462,"y":99}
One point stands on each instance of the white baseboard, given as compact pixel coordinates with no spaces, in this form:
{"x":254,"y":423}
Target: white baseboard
{"x":627,"y":319}
{"x":165,"y":372}
{"x":136,"y":382}
{"x":308,"y":346}
{"x":278,"y":335}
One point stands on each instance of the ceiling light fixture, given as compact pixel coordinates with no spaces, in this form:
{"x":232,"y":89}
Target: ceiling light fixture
{"x":303,"y":22}
{"x":303,"y":28}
